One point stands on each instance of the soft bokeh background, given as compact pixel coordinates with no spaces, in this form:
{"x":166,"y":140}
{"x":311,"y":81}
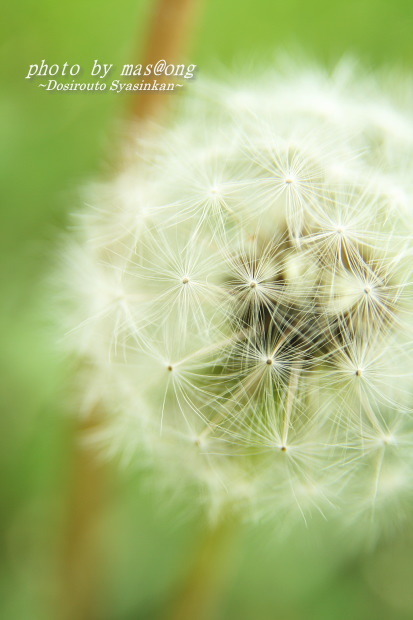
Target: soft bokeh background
{"x":137,"y":550}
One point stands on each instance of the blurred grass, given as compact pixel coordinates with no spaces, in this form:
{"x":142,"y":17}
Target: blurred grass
{"x":50,"y":144}
{"x":378,"y":31}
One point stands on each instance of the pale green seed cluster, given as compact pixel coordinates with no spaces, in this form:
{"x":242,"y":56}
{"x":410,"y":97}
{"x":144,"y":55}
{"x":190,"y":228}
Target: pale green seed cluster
{"x":240,"y":296}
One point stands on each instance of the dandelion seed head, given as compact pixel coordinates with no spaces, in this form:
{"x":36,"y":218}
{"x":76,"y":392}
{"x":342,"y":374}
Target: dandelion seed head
{"x":241,"y":298}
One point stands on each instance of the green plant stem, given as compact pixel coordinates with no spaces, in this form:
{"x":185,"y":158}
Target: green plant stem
{"x":81,"y":544}
{"x":200,"y":594}
{"x":172,"y":27}
{"x":169,"y":33}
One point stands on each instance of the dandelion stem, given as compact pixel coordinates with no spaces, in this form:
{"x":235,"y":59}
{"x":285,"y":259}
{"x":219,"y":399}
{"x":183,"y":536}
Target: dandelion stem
{"x":169,"y":33}
{"x":201,"y":592}
{"x":172,"y":22}
{"x":80,"y":579}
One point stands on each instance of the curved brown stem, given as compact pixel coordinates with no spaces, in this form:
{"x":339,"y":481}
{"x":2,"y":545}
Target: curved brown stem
{"x":207,"y":580}
{"x":81,"y":547}
{"x":172,"y":23}
{"x":169,"y":35}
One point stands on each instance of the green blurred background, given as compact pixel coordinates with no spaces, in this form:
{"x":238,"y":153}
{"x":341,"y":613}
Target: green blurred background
{"x":138,"y":551}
